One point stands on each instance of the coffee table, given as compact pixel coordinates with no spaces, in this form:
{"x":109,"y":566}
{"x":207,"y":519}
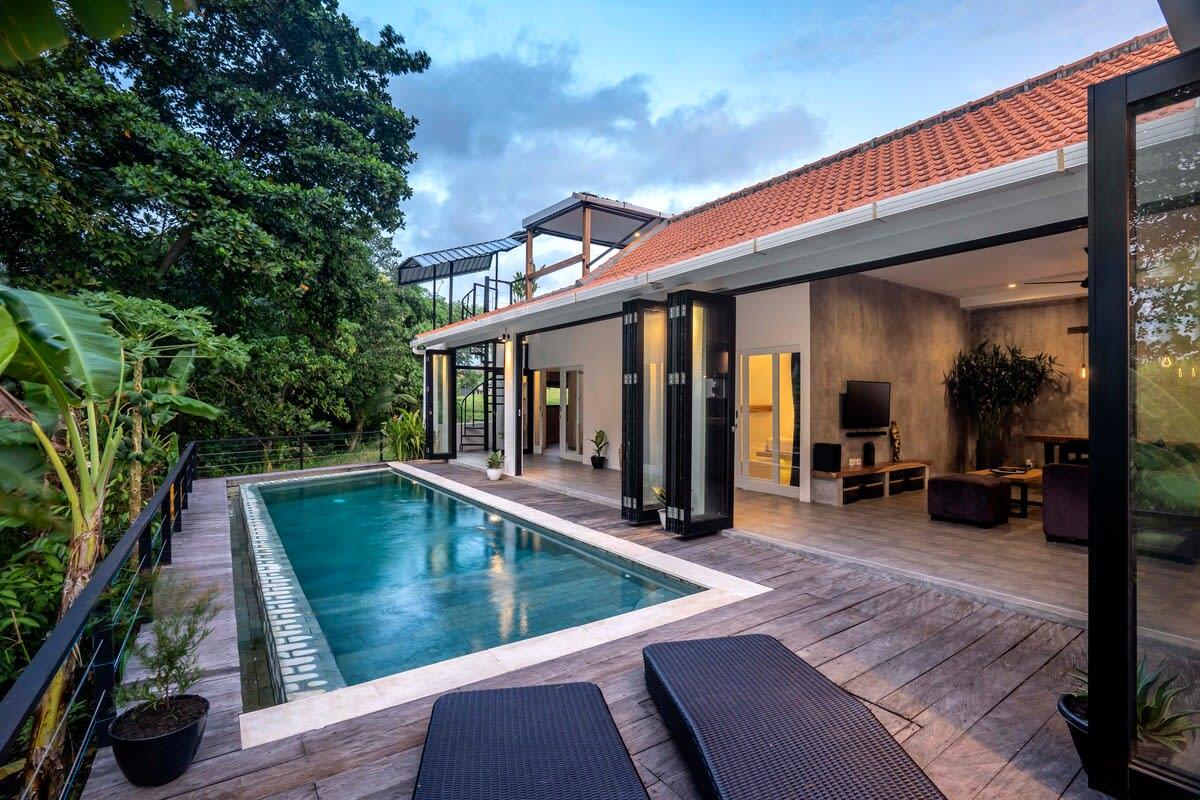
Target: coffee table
{"x":1021,"y":480}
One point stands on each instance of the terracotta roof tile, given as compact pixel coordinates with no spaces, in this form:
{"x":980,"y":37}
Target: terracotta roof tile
{"x":1037,"y":116}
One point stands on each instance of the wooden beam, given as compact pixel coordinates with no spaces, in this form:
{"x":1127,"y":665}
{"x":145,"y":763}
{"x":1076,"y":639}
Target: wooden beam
{"x":587,"y":239}
{"x":528,"y":265}
{"x":557,"y":265}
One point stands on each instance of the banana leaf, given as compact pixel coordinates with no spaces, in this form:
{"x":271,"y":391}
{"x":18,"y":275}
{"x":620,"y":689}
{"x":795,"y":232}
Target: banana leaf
{"x":77,"y":346}
{"x":186,"y":405}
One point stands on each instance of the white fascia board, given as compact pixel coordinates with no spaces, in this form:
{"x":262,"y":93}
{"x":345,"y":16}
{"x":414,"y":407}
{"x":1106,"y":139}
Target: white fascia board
{"x":1002,"y":177}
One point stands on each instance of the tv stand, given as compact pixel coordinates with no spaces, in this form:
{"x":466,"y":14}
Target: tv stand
{"x":864,"y":434}
{"x":865,"y":483}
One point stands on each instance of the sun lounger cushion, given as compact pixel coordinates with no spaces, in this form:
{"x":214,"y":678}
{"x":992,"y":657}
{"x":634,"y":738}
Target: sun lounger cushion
{"x":554,"y":742}
{"x":754,"y":721}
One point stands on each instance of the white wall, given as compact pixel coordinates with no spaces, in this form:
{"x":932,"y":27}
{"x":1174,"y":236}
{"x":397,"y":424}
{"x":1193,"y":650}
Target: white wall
{"x":778,"y":319}
{"x":596,"y":349}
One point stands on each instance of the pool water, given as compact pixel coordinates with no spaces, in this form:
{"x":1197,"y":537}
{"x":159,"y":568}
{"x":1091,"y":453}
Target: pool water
{"x":400,"y":575}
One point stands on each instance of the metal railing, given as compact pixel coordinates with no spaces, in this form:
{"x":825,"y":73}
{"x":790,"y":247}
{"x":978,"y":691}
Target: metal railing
{"x":92,"y":637}
{"x":252,"y":455}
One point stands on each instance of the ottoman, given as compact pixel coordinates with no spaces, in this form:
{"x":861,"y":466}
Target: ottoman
{"x":974,"y":499}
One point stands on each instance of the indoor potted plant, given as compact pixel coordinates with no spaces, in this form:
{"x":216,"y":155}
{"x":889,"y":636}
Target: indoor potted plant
{"x":990,"y":384}
{"x":661,"y":494}
{"x":155,"y":740}
{"x":599,"y":442}
{"x":495,"y":464}
{"x":1157,"y":724}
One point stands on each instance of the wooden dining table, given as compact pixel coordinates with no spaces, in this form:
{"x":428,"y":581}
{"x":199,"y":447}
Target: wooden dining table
{"x":1056,"y":446}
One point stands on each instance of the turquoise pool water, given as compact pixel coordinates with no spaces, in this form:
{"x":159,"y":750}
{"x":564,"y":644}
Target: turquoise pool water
{"x":400,"y":575}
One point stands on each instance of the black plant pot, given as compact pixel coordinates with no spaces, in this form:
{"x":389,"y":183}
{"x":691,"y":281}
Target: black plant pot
{"x":599,"y":461}
{"x":989,"y":453}
{"x":1074,"y":711}
{"x":159,"y":759}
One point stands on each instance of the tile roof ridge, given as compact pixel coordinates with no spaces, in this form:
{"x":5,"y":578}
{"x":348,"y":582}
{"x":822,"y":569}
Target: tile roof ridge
{"x":1045,"y":78}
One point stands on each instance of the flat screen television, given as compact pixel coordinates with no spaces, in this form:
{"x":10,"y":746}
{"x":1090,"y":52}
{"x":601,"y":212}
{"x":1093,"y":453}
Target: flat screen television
{"x":867,"y":404}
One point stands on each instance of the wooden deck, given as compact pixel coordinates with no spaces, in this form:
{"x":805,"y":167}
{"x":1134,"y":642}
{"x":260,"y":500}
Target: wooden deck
{"x":967,"y":688}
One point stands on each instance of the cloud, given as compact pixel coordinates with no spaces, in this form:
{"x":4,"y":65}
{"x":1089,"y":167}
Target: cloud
{"x":505,"y":134}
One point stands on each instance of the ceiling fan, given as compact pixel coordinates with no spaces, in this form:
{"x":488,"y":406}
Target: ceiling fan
{"x":1083,"y":283}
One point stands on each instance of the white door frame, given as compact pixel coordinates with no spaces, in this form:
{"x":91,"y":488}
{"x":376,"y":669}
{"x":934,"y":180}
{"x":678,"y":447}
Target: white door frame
{"x":742,"y":479}
{"x":563,"y":452}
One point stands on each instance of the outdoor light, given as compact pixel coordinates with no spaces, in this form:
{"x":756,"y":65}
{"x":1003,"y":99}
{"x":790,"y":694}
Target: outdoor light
{"x":1012,"y":286}
{"x":1166,"y":362}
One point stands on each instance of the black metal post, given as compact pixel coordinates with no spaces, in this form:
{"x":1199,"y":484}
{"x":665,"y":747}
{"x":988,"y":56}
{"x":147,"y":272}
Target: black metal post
{"x":165,"y":527}
{"x":381,"y":448}
{"x":104,"y":674}
{"x":302,"y":446}
{"x":177,"y":496}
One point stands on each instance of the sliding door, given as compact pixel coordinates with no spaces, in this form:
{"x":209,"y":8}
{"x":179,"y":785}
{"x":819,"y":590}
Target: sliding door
{"x":700,"y":409}
{"x":643,"y":414}
{"x":571,"y":402}
{"x":1144,"y":515}
{"x":440,"y":405}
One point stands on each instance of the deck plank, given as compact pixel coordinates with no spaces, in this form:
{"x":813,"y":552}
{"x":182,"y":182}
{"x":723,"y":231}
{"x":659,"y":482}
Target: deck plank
{"x":966,"y":687}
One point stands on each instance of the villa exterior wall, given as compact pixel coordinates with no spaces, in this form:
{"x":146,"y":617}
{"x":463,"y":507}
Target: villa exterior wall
{"x":596,"y":349}
{"x":868,"y":329}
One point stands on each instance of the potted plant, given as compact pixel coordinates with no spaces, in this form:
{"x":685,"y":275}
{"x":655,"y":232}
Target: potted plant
{"x":1157,"y":724}
{"x":990,"y":384}
{"x":495,"y":463}
{"x":156,"y":739}
{"x":661,"y":494}
{"x":599,"y":442}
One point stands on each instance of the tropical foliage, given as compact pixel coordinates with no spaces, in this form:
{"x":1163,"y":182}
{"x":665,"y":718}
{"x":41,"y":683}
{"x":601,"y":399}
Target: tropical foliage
{"x":991,"y":383}
{"x":405,"y":434}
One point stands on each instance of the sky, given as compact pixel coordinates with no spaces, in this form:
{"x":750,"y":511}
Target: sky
{"x":670,"y":104}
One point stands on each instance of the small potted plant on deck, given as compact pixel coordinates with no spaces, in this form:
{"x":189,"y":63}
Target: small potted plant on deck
{"x":156,"y":739}
{"x":1157,"y":725}
{"x":661,"y":494}
{"x":599,"y":442}
{"x":495,"y":464}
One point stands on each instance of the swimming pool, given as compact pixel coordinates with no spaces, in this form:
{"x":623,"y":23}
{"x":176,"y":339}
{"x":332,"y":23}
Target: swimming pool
{"x":385,"y":585}
{"x":390,"y":574}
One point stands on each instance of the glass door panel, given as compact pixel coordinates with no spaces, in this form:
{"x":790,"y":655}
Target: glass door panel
{"x":1164,"y":329}
{"x":571,"y":397}
{"x":440,"y":406}
{"x":700,"y":405}
{"x":643,"y":408}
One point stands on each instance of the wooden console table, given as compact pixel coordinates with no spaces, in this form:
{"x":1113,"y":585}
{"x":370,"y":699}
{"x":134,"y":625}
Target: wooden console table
{"x":861,"y":483}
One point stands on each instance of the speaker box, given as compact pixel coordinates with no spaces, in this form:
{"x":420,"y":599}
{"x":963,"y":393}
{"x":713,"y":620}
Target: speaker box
{"x":868,"y":454}
{"x":827,"y":457}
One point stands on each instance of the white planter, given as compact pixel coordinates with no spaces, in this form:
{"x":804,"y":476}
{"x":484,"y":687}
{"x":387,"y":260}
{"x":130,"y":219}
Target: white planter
{"x":662,"y":518}
{"x":494,"y":474}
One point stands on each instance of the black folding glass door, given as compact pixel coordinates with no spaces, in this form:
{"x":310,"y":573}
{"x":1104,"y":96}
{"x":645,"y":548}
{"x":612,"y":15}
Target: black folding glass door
{"x":440,"y":405}
{"x":643,"y":412}
{"x":1144,"y":473}
{"x":699,"y":412}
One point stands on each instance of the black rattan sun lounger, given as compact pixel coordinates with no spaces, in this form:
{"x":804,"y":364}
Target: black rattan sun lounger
{"x":532,"y":743}
{"x":754,"y":721}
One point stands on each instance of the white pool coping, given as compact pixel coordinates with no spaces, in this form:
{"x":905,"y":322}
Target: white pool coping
{"x":319,"y":710}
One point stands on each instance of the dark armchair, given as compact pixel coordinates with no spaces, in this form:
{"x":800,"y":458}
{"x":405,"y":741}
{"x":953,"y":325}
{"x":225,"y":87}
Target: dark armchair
{"x":1065,"y":503}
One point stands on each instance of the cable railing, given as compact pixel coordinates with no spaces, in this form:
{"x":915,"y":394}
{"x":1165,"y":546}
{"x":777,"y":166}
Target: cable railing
{"x":253,"y":455}
{"x":91,"y":641}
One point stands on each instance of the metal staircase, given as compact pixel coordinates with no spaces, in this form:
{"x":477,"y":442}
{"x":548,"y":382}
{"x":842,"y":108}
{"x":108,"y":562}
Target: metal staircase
{"x":481,"y":410}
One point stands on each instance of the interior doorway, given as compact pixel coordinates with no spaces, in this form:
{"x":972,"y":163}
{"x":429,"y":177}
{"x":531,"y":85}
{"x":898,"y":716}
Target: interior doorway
{"x":561,"y":413}
{"x":770,"y":417}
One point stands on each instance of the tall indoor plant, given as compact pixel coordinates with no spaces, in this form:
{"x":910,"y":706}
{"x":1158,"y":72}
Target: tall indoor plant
{"x":991,"y":384}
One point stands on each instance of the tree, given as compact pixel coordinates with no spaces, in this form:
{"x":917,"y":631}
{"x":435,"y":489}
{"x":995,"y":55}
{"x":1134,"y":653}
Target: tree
{"x":241,"y":160}
{"x":167,"y":341}
{"x":71,"y":370}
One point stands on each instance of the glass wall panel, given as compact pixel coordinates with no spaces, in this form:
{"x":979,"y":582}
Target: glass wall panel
{"x":1164,"y":297}
{"x":653,"y":387}
{"x":761,"y":452}
{"x":440,"y":413}
{"x":709,"y":384}
{"x":789,"y":418}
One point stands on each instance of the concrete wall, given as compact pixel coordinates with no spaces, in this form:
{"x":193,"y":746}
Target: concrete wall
{"x":1042,"y":328}
{"x":868,"y":329}
{"x":596,"y":349}
{"x":778,"y":319}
